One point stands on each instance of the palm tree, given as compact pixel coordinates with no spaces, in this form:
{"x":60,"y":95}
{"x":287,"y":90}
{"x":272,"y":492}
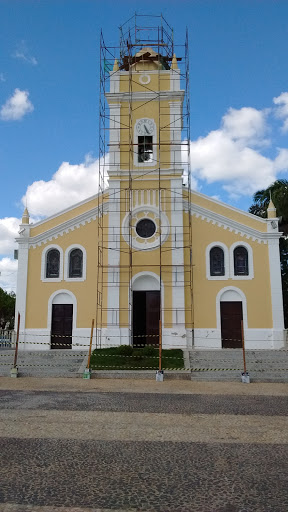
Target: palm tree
{"x":278,"y":192}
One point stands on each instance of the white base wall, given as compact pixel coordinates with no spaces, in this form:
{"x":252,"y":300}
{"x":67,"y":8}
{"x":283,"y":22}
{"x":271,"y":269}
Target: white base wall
{"x":200,"y":339}
{"x":255,"y":339}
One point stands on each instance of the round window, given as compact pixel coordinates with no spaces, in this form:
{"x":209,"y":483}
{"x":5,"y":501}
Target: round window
{"x":145,"y":228}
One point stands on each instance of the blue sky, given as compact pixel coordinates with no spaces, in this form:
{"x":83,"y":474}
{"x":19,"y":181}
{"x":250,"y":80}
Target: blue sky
{"x":49,"y":82}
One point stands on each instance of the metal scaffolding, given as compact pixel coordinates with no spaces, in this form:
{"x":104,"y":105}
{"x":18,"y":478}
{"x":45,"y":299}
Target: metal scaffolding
{"x":142,"y":39}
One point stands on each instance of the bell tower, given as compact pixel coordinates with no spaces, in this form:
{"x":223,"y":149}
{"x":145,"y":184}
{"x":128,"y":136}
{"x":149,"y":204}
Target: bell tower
{"x":144,"y":128}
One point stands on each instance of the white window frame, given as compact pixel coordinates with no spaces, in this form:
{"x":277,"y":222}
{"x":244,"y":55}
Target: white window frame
{"x":154,"y":146}
{"x":66,"y":264}
{"x":226,"y":261}
{"x":250,"y":261}
{"x":45,"y":279}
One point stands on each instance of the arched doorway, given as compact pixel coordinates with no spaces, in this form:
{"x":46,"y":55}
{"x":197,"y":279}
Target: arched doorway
{"x":145,"y":309}
{"x":231,"y":317}
{"x":61,"y":321}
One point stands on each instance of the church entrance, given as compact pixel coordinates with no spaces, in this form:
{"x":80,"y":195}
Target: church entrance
{"x":146,"y":315}
{"x":61,"y":326}
{"x":231,"y":316}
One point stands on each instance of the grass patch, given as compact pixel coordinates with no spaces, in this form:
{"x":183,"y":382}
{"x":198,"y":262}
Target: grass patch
{"x":128,"y":358}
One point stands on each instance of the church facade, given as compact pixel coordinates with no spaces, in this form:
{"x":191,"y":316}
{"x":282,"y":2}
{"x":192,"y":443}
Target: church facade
{"x":147,"y":256}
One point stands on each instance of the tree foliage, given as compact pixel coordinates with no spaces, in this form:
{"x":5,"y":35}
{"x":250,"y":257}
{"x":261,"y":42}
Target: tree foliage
{"x":278,"y":191}
{"x":7,"y":309}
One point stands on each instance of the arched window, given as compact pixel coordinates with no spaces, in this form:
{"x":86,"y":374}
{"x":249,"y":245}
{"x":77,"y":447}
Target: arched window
{"x":241,"y":267}
{"x":52,"y":263}
{"x":217,"y":266}
{"x":76,"y":263}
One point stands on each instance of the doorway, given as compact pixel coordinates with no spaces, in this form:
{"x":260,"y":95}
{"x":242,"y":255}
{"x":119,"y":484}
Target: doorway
{"x":146,"y":316}
{"x":231,"y":317}
{"x":61,"y":326}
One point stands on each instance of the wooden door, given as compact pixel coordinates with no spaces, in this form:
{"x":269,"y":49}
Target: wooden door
{"x":146,"y":314}
{"x":231,"y":316}
{"x":152,"y":317}
{"x":139,"y":318}
{"x":61,"y":328}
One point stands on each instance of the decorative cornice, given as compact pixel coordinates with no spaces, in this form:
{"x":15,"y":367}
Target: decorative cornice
{"x":66,"y":227}
{"x":231,"y":225}
{"x":113,"y":97}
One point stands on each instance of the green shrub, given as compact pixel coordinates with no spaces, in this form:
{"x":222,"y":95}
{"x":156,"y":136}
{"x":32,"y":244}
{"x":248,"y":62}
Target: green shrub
{"x":149,"y":351}
{"x":125,"y":350}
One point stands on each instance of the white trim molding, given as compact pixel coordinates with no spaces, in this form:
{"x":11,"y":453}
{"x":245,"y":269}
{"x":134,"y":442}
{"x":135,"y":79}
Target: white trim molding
{"x":226,"y":261}
{"x":146,"y":212}
{"x":230,"y":224}
{"x":67,"y":226}
{"x":45,"y":279}
{"x":250,"y":276}
{"x":67,"y":263}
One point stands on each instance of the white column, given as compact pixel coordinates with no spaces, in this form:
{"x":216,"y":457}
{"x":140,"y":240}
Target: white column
{"x":175,"y":134}
{"x":114,"y":137}
{"x":178,"y":274}
{"x":276,"y":284}
{"x":113,"y":278}
{"x":21,"y":292}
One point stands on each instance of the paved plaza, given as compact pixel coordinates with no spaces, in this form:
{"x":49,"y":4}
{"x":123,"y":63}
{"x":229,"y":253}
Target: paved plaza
{"x":74,"y":445}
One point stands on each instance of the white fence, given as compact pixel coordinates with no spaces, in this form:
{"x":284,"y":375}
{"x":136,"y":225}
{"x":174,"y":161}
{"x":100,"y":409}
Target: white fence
{"x":7,"y":339}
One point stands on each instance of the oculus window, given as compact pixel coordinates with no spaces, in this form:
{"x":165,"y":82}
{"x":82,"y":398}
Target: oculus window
{"x":145,"y":228}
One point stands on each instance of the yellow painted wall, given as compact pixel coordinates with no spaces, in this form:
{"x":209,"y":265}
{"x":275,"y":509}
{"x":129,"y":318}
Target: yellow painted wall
{"x":256,"y":290}
{"x":159,"y":81}
{"x":160,"y":112}
{"x":38,"y":292}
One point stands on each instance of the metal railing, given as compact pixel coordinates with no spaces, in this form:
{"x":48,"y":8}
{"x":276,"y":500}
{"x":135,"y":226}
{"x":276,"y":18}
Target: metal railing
{"x":7,"y":338}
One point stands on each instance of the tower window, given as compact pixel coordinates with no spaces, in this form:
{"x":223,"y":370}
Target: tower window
{"x":145,"y":148}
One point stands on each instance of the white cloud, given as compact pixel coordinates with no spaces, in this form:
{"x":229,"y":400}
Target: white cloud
{"x":246,"y":125}
{"x":281,"y":109}
{"x":227,"y":155}
{"x":9,"y":227}
{"x":23,"y":53}
{"x":8,"y":276}
{"x":2,"y":77}
{"x":17,"y":106}
{"x":69,"y":185}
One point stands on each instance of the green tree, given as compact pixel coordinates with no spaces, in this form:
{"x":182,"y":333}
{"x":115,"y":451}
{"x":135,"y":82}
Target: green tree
{"x":278,"y":191}
{"x":7,"y":309}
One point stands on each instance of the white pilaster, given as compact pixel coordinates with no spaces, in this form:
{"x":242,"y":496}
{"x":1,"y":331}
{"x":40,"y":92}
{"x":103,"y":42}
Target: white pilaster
{"x":276,"y":284}
{"x":23,"y":254}
{"x":113,"y":277}
{"x":177,"y":244}
{"x":175,"y":133}
{"x":114,"y":137}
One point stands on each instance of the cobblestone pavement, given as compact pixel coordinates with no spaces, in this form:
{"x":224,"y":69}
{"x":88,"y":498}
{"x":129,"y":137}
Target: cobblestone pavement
{"x":142,"y":402}
{"x":219,"y":449}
